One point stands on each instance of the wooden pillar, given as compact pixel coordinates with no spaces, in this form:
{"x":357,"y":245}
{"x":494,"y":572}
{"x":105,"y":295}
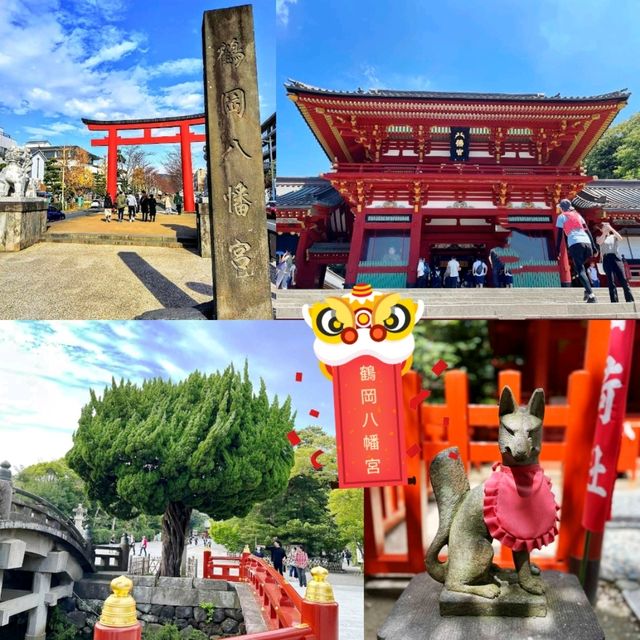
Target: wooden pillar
{"x":112,"y":163}
{"x":541,"y":344}
{"x":187,"y":168}
{"x":414,"y":248}
{"x":563,"y":266}
{"x":240,"y":249}
{"x":357,"y":242}
{"x":456,"y":394}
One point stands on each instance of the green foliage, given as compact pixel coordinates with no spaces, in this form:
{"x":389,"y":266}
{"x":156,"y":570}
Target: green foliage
{"x":301,"y":513}
{"x":347,"y":508}
{"x":59,"y":628}
{"x":206,"y":443}
{"x":99,"y":184}
{"x":54,"y":481}
{"x":617,"y":153}
{"x":209,"y":608}
{"x":53,"y":176}
{"x":171,"y":632}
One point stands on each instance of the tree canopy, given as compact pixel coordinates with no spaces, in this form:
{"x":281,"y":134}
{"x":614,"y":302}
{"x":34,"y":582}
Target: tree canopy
{"x":207,"y":443}
{"x":617,"y":153}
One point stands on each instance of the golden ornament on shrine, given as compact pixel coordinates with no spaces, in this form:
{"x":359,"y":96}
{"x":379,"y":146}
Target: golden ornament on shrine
{"x":119,"y":608}
{"x":319,"y":590}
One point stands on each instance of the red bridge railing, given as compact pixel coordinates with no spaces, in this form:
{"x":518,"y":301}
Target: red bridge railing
{"x":286,"y":613}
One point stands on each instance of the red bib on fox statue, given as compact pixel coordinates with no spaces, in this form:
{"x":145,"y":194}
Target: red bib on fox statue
{"x":519,"y":508}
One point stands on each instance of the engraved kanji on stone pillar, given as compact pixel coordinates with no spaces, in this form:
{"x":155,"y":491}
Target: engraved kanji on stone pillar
{"x":234,"y":157}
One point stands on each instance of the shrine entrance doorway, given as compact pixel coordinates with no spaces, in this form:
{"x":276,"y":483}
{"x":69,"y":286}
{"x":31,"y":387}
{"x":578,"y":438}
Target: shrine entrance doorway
{"x":150,"y":131}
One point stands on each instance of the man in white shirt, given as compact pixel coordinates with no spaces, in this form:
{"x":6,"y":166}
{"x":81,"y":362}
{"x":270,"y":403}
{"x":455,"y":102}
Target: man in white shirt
{"x":132,"y":203}
{"x":453,"y":273}
{"x":422,"y":273}
{"x":479,"y":271}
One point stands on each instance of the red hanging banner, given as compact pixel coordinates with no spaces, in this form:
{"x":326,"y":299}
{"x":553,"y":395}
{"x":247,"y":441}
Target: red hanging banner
{"x":367,"y":396}
{"x":364,"y":341}
{"x":608,"y":433}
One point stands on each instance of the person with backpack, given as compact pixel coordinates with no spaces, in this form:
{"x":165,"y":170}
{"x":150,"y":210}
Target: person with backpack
{"x":301,"y":560}
{"x":121,"y":202}
{"x":580,"y":243}
{"x":479,"y":271}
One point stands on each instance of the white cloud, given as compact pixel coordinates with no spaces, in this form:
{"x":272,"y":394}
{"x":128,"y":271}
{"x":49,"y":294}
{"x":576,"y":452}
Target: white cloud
{"x":60,"y":58}
{"x":282,"y":10}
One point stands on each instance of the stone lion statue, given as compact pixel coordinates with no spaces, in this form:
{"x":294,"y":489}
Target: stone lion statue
{"x":15,"y":177}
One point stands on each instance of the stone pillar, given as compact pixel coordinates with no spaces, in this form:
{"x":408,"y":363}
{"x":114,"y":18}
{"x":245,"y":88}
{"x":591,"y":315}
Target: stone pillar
{"x":204,"y":230}
{"x":6,"y":490}
{"x":23,"y":222}
{"x":37,"y":623}
{"x":79,"y":515}
{"x":236,"y":174}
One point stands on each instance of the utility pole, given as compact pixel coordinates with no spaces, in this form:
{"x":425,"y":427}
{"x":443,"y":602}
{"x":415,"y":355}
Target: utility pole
{"x":64,"y":153}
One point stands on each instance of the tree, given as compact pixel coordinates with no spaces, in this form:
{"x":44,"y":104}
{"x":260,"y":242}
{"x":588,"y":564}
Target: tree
{"x":617,"y":153}
{"x":54,"y":481}
{"x":53,"y":176}
{"x":173,"y":169}
{"x":347,"y":508}
{"x":206,"y":443}
{"x":300,"y":513}
{"x":133,"y":162}
{"x":99,"y":184}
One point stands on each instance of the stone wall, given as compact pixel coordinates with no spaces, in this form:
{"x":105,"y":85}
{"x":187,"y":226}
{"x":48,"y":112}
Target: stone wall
{"x":162,"y":601}
{"x":22,"y":222}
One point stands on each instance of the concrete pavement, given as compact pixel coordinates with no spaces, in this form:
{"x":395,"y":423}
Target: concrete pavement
{"x":79,"y":282}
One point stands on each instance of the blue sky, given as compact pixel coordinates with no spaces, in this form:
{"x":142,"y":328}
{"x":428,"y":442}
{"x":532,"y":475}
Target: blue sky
{"x":571,"y":47}
{"x":61,"y":60}
{"x":47,"y":369}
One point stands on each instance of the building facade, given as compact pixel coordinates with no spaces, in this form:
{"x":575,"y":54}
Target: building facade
{"x":436,"y":175}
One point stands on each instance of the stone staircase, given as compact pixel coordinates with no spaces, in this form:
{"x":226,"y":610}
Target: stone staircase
{"x":507,"y":304}
{"x":168,"y":241}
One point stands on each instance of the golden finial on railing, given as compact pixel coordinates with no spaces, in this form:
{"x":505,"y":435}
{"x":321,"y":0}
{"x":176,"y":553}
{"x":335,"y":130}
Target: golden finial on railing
{"x":319,"y":590}
{"x":246,"y":549}
{"x":119,"y":608}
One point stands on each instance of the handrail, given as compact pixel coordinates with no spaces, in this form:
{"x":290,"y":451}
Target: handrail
{"x":39,"y":500}
{"x":292,"y":633}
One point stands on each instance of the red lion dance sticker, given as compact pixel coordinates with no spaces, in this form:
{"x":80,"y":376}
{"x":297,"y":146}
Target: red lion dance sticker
{"x":364,"y":341}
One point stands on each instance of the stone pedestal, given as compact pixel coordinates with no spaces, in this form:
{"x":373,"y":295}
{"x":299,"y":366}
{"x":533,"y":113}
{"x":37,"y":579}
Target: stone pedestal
{"x":416,"y":616}
{"x":23,"y":222}
{"x":204,"y":230}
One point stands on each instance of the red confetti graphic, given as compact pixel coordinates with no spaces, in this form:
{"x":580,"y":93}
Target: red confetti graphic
{"x":416,"y":400}
{"x":293,"y":438}
{"x":453,"y":455}
{"x":299,"y":376}
{"x":314,"y":413}
{"x":413,"y":450}
{"x":314,"y":459}
{"x":439,"y":367}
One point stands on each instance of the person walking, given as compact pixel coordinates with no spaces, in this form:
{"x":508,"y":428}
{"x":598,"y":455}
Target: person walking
{"x":479,"y":271}
{"x":132,"y":204}
{"x":121,"y":202}
{"x":108,"y":207}
{"x":168,"y":204}
{"x":153,"y":206}
{"x":143,"y":545}
{"x":277,"y":556}
{"x":177,"y":201}
{"x":282,"y":271}
{"x":581,"y":245}
{"x":291,"y":562}
{"x":608,"y":241}
{"x":302,"y":561}
{"x":452,"y":274}
{"x":422,"y":273}
{"x":144,"y":206}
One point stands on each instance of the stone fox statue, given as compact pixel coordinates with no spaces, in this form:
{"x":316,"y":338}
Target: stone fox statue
{"x":515,"y":505}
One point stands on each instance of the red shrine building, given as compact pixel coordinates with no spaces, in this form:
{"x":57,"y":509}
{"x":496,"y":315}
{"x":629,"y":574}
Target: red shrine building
{"x":435,"y":175}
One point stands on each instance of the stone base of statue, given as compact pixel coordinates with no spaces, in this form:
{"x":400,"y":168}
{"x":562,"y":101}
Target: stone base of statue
{"x":513,"y":601}
{"x":23,"y":222}
{"x":416,"y":615}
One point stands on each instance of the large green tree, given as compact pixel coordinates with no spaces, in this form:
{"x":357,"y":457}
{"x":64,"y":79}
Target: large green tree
{"x":208,"y":443}
{"x":54,"y":481}
{"x":617,"y":153}
{"x":300,"y":513}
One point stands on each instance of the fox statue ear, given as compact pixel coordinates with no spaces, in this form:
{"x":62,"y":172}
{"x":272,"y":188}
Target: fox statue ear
{"x":536,"y":404}
{"x":507,"y":402}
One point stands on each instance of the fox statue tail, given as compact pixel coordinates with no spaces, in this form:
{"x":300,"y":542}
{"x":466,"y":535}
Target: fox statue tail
{"x":450,"y":485}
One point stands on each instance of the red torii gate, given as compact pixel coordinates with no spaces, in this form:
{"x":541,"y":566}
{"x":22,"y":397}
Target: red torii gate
{"x":184,"y":136}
